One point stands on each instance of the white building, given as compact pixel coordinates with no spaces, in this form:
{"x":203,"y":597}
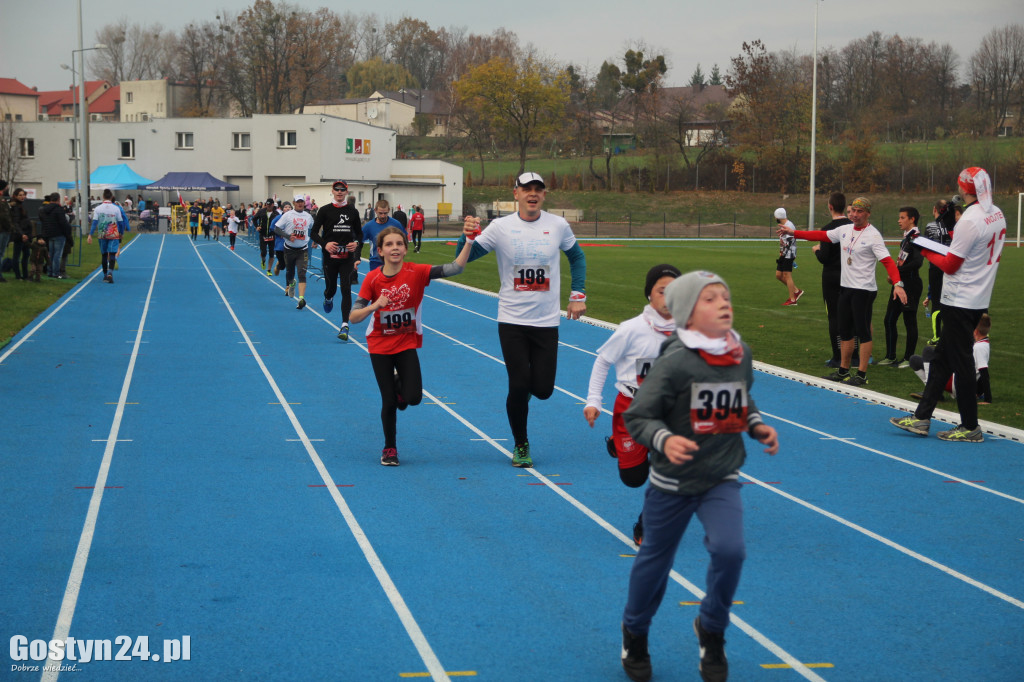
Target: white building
{"x":265,"y":155}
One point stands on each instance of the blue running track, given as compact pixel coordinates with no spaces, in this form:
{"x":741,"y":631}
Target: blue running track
{"x":188,"y":458}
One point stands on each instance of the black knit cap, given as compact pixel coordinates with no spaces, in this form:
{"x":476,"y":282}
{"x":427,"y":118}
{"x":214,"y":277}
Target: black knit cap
{"x":656,"y":273}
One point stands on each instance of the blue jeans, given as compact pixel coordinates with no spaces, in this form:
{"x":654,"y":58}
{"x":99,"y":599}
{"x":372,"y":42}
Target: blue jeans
{"x":56,"y":245}
{"x":666,"y":517}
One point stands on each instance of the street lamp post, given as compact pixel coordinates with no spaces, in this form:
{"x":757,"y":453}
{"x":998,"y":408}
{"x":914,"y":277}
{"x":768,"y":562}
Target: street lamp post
{"x":814,"y":116}
{"x":81,"y":122}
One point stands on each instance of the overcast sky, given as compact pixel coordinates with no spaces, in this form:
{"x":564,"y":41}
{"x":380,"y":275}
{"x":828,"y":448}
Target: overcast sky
{"x":36,"y":37}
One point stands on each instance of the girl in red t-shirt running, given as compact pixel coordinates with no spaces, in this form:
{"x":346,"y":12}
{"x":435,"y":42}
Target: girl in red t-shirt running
{"x":396,"y":326}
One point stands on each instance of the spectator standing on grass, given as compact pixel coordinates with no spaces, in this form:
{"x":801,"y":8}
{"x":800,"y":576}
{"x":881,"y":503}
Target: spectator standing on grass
{"x":402,"y":218}
{"x":56,"y":229}
{"x":631,"y":351}
{"x":787,"y":258}
{"x":862,"y":247}
{"x":21,"y":234}
{"x":938,"y":231}
{"x":828,"y":254}
{"x":6,"y":225}
{"x":909,"y":263}
{"x":528,"y":245}
{"x":696,"y":448}
{"x":969,"y":274}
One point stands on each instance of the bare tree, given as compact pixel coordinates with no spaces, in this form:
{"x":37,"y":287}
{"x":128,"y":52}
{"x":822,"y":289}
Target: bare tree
{"x":10,"y":153}
{"x":132,"y":52}
{"x":997,"y":73}
{"x":199,"y":63}
{"x":318,"y":57}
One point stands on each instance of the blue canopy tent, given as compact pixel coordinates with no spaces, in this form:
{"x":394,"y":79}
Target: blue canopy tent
{"x":191,"y":182}
{"x":118,"y":176}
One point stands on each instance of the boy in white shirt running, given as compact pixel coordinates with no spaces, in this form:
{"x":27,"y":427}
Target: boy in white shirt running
{"x":631,"y":350}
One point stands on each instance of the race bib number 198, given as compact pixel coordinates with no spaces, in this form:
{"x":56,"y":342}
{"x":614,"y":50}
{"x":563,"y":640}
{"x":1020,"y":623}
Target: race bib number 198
{"x":530,"y":277}
{"x":718,"y":408}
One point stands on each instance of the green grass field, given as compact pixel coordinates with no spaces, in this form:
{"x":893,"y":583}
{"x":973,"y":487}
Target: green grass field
{"x":745,"y":208}
{"x":792,"y":337}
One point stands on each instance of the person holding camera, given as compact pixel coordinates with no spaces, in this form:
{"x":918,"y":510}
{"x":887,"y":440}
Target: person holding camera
{"x":338,"y":231}
{"x":938,"y":231}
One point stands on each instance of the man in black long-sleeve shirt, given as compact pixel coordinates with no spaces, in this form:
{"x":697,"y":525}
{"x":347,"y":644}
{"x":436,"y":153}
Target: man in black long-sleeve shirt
{"x":338,"y":231}
{"x":828,"y":255}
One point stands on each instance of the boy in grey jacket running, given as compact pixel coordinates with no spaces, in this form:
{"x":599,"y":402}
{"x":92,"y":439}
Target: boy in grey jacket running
{"x":690,"y":412}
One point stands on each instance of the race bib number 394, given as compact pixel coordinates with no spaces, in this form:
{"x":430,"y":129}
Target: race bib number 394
{"x":398,"y":321}
{"x":531,"y":277}
{"x":718,"y":408}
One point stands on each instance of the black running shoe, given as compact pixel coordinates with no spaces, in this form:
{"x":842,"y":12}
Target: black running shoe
{"x":389,"y":457}
{"x":635,"y":659}
{"x":714,"y":667}
{"x":638,"y":530}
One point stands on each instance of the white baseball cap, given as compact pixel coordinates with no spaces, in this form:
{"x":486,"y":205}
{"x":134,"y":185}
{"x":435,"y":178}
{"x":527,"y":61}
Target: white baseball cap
{"x":299,"y":197}
{"x":528,"y":178}
{"x":780,"y":214}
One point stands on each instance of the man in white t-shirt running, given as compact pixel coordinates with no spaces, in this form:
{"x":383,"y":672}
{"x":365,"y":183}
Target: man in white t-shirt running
{"x":862,"y":246}
{"x":969,"y":274}
{"x":527,"y":245}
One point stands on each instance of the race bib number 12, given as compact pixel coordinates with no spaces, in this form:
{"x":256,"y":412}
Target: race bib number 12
{"x":718,"y":408}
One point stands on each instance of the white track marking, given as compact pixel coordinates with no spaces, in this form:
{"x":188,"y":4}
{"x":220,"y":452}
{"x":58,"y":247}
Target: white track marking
{"x":889,"y":543}
{"x":494,"y":442}
{"x":426,"y":653}
{"x":849,"y":441}
{"x":77,"y":289}
{"x":754,"y":634}
{"x":74,"y":584}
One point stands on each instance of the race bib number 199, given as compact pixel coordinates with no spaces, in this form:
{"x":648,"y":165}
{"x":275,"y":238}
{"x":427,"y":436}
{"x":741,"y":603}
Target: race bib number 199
{"x":718,"y":408}
{"x":398,"y":321}
{"x":530,"y":277}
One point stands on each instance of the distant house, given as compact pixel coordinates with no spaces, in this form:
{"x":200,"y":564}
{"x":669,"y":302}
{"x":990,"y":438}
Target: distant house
{"x":18,"y":102}
{"x":703,"y":111}
{"x":389,"y":109}
{"x":102,"y":100}
{"x":145,"y":100}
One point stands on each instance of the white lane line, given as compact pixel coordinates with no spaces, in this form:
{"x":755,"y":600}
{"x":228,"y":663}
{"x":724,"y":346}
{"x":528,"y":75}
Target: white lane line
{"x":890,"y":543}
{"x":748,"y":629}
{"x":74,"y":585}
{"x":419,"y":640}
{"x":895,"y":458}
{"x":754,"y":634}
{"x":834,"y":517}
{"x":77,"y":289}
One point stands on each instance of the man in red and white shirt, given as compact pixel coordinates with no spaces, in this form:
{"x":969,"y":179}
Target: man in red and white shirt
{"x":969,"y":268}
{"x":862,"y":246}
